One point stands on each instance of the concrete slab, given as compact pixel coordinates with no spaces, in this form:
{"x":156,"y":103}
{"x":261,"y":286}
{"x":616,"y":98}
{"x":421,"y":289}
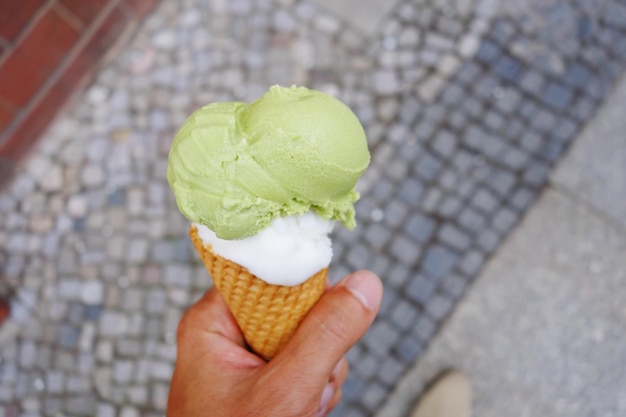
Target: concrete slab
{"x":543,"y":331}
{"x":595,"y":167}
{"x":364,"y":15}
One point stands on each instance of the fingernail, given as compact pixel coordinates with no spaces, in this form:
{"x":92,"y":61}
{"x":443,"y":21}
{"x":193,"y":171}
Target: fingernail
{"x":327,"y":395}
{"x":365,"y":286}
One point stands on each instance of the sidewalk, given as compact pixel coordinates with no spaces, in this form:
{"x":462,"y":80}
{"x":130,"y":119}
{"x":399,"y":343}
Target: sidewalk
{"x":543,"y":330}
{"x":467,"y":105}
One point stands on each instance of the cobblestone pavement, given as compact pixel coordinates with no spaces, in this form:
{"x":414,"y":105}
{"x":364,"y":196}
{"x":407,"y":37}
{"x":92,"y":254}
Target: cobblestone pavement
{"x":466,"y":105}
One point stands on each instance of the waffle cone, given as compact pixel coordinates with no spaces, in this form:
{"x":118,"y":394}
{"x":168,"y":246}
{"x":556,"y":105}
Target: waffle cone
{"x":267,"y":314}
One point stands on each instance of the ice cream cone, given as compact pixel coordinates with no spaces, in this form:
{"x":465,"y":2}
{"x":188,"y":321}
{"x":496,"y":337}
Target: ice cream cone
{"x":267,"y":314}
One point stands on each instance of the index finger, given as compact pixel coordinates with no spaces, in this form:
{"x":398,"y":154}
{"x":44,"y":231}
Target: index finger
{"x":208,"y":326}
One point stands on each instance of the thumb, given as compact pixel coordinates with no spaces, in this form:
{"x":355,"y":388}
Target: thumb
{"x":341,"y":316}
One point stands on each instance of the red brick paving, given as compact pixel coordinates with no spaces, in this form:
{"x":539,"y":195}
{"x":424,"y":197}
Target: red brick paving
{"x":47,"y":50}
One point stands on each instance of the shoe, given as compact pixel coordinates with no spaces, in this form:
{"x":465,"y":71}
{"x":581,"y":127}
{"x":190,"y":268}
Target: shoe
{"x":449,"y":396}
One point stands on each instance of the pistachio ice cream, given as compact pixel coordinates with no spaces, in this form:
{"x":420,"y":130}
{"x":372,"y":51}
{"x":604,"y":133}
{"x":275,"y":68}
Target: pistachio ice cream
{"x":235,"y":167}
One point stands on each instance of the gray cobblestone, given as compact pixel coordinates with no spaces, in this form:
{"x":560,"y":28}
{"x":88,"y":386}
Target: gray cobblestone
{"x":536,"y":174}
{"x":428,"y":167}
{"x":81,"y":405}
{"x":159,"y":396}
{"x":435,"y":113}
{"x":123,"y":371}
{"x":377,"y":235}
{"x":390,"y":297}
{"x":583,"y":108}
{"x":450,"y":27}
{"x":565,"y":129}
{"x":431,"y":87}
{"x":397,"y":171}
{"x":129,"y":348}
{"x":68,"y":336}
{"x":529,"y":110}
{"x":522,"y":198}
{"x":469,"y":73}
{"x":449,"y":181}
{"x":408,"y":349}
{"x":515,"y":158}
{"x":132,"y":299}
{"x":545,"y":121}
{"x":424,"y":130}
{"x":488,"y":240}
{"x":129,"y":411}
{"x":178,"y":275}
{"x":451,"y":95}
{"x":471,"y":263}
{"x":485,"y":143}
{"x":92,"y":293}
{"x":504,"y":220}
{"x":420,"y":289}
{"x":405,"y":250}
{"x":55,"y":381}
{"x":485,"y":201}
{"x":557,"y":96}
{"x":137,"y":251}
{"x":439,"y":261}
{"x":468,"y":46}
{"x":6,"y":394}
{"x":142,"y":370}
{"x":450,"y":207}
{"x":411,"y":191}
{"x":382,"y":190}
{"x":395,"y":213}
{"x":353,"y":387}
{"x":439,"y":307}
{"x":431,"y":200}
{"x":373,"y":395}
{"x":531,"y":141}
{"x":486,"y":86}
{"x":367,"y":367}
{"x":105,"y":410}
{"x":161,"y":371}
{"x":403,"y":315}
{"x":501,"y":181}
{"x":398,"y":275}
{"x":380,"y":338}
{"x":424,"y":328}
{"x":85,"y":362}
{"x":445,"y":143}
{"x":112,"y":323}
{"x":455,"y":286}
{"x":28,"y":354}
{"x":454,"y":237}
{"x":137,"y":394}
{"x":385,"y":82}
{"x":494,"y":121}
{"x":78,"y":384}
{"x":102,"y":382}
{"x":419,"y":227}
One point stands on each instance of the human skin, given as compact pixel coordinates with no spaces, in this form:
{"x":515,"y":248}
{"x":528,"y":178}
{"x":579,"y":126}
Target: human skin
{"x":215,"y":375}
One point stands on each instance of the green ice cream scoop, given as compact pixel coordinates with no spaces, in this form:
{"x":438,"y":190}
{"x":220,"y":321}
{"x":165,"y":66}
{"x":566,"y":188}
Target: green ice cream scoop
{"x":235,"y":167}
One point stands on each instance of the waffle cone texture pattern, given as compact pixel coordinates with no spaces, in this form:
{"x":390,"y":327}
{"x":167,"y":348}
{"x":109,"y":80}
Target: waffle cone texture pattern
{"x":267,"y":314}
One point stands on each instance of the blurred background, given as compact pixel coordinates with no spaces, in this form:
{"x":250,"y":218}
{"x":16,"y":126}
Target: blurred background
{"x":494,"y":208}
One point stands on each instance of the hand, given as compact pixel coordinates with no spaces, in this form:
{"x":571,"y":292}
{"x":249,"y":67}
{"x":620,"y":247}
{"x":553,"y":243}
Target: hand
{"x":216,"y":376}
